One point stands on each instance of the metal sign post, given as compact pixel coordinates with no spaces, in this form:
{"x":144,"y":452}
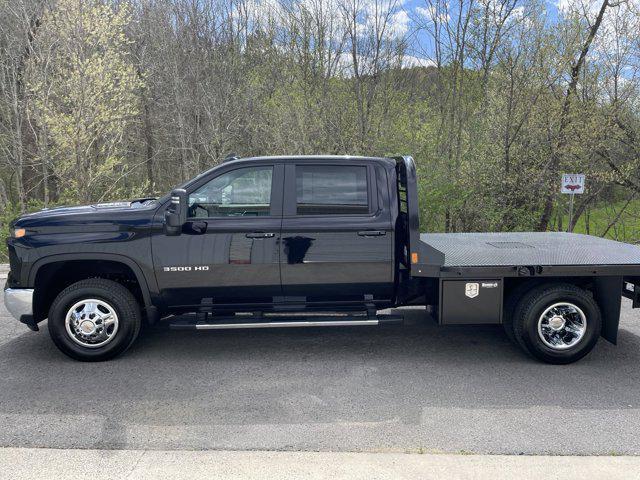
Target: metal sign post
{"x":571,"y":212}
{"x":572,"y":184}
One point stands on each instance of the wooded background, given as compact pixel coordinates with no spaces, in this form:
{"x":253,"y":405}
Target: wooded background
{"x":495,"y":99}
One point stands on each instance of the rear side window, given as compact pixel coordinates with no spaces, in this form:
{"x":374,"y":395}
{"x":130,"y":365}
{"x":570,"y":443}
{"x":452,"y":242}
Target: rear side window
{"x":331,"y":190}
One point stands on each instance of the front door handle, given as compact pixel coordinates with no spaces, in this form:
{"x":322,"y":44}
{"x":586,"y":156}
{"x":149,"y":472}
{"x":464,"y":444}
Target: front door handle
{"x":260,"y":235}
{"x":198,"y":227}
{"x":372,"y":233}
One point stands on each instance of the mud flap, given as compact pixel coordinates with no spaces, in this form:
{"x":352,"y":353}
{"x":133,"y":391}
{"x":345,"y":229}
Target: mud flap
{"x":608,"y":294}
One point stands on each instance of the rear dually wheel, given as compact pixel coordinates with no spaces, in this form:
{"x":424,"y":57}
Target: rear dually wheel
{"x":558,"y":323}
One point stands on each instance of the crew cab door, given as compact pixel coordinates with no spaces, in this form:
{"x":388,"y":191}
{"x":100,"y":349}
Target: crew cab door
{"x":228,"y":249}
{"x":337,"y":236}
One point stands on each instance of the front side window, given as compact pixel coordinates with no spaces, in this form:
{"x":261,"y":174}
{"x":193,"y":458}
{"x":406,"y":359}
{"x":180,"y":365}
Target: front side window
{"x":331,"y":190}
{"x":239,"y":193}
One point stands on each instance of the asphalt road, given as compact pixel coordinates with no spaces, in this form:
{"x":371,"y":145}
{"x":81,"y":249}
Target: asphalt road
{"x":418,"y":388}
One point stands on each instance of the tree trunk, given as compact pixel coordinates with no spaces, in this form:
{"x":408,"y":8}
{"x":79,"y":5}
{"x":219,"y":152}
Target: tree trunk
{"x":148,"y":137}
{"x":565,"y":120}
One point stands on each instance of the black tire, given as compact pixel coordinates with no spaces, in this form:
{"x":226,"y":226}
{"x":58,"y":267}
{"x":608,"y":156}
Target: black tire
{"x":532,"y":305}
{"x":116,"y":296}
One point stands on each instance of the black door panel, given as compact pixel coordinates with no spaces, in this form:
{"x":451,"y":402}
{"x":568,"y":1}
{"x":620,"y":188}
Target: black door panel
{"x":339,"y":256}
{"x":334,"y":264}
{"x":232,"y":258}
{"x":218,"y":264}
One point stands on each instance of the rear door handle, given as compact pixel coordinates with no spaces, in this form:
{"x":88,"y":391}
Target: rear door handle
{"x":372,"y":233}
{"x":260,"y":235}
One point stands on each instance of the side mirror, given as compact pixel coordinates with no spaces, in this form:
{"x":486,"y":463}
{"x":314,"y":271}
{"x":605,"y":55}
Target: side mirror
{"x":175,"y":216}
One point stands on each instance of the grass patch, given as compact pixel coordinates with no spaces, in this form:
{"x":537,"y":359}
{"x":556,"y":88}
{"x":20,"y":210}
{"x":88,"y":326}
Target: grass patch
{"x":616,"y":220}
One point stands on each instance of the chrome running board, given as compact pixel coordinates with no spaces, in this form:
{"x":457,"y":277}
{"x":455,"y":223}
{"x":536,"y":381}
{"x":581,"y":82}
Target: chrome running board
{"x":317,"y":322}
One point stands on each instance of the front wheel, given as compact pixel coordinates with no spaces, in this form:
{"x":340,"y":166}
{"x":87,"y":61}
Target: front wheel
{"x":558,"y":323}
{"x":94,"y":320}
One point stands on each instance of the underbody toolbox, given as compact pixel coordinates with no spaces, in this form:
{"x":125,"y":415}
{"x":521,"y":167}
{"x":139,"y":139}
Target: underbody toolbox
{"x":470,"y":301}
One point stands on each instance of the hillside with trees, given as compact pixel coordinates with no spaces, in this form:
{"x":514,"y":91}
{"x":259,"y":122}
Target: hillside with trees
{"x":495,"y":99}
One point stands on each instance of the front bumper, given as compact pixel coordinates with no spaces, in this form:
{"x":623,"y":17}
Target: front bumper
{"x":19,"y":302}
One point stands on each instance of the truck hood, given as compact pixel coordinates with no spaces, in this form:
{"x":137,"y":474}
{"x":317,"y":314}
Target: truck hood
{"x":110,"y":212}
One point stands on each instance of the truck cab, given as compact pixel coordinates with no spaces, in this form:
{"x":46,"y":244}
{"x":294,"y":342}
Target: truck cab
{"x":281,"y":230}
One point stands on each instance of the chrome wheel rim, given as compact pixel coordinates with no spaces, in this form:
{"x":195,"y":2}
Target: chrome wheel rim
{"x":91,"y":323}
{"x":562,"y":325}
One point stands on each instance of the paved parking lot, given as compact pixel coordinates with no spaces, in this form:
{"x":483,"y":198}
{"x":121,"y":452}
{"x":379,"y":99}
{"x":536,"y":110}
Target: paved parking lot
{"x":418,"y":387}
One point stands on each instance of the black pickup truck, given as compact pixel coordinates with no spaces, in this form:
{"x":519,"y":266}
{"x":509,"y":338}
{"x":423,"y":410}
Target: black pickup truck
{"x":304,"y":241}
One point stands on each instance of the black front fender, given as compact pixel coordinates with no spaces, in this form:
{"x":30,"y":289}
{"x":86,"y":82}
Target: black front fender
{"x":146,"y":285}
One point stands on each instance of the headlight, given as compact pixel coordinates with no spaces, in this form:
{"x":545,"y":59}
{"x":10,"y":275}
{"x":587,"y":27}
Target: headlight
{"x":19,"y":232}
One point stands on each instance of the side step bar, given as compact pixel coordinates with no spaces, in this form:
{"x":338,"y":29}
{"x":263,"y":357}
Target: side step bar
{"x":316,"y":322}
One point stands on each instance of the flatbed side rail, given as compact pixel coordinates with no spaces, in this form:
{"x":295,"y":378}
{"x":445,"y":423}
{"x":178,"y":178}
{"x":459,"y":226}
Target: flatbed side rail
{"x":419,"y":258}
{"x":496,"y":271}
